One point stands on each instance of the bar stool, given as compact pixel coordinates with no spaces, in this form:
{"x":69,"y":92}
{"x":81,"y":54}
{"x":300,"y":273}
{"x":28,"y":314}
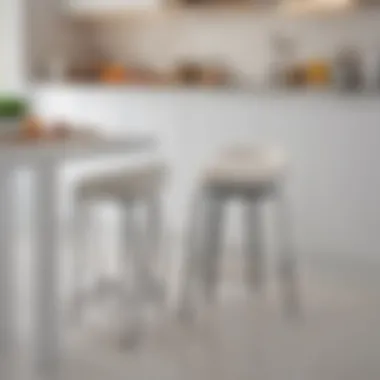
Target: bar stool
{"x":251,"y":175}
{"x":127,"y":189}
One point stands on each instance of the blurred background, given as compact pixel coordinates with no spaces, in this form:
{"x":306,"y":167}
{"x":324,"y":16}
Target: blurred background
{"x":200,"y":75}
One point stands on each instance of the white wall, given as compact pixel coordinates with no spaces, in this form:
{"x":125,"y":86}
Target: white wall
{"x":241,"y":41}
{"x":12,"y":69}
{"x":32,"y":32}
{"x":29,"y":29}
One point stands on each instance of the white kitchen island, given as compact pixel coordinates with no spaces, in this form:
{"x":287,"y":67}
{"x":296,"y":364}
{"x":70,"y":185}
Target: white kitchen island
{"x":333,"y":140}
{"x":44,"y":159}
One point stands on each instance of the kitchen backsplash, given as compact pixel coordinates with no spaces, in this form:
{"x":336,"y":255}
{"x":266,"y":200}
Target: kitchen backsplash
{"x":242,"y":42}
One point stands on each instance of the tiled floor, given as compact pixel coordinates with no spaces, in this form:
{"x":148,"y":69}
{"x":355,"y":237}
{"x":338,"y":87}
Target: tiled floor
{"x":338,"y":338}
{"x":244,"y":337}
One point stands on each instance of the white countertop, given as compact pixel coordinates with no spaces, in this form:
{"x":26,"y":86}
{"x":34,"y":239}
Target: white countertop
{"x":28,"y":151}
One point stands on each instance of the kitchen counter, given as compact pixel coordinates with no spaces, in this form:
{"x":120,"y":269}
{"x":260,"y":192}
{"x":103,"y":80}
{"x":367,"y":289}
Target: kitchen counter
{"x":264,"y":91}
{"x":333,"y":140}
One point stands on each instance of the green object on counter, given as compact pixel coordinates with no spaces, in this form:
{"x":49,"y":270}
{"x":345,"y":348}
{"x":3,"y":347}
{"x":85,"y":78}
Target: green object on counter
{"x":12,"y":107}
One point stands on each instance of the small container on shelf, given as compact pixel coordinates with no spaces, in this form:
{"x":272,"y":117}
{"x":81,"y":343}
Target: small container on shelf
{"x":349,"y":73}
{"x":318,"y":73}
{"x":189,"y":74}
{"x":113,"y":74}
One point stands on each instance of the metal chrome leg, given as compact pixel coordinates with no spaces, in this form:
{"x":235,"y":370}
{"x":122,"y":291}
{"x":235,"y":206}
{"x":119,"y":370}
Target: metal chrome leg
{"x":144,"y":284}
{"x":287,"y":260}
{"x":211,"y":250}
{"x":253,"y":247}
{"x":191,"y":261}
{"x":132,"y":291}
{"x":154,"y":229}
{"x":81,"y":228}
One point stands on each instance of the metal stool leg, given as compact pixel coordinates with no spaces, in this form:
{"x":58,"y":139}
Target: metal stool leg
{"x":253,"y":247}
{"x":154,"y":228}
{"x":145,"y":285}
{"x":132,"y":294}
{"x":191,"y":261}
{"x":211,"y":250}
{"x":81,"y":229}
{"x":287,"y":260}
{"x":154,"y":248}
